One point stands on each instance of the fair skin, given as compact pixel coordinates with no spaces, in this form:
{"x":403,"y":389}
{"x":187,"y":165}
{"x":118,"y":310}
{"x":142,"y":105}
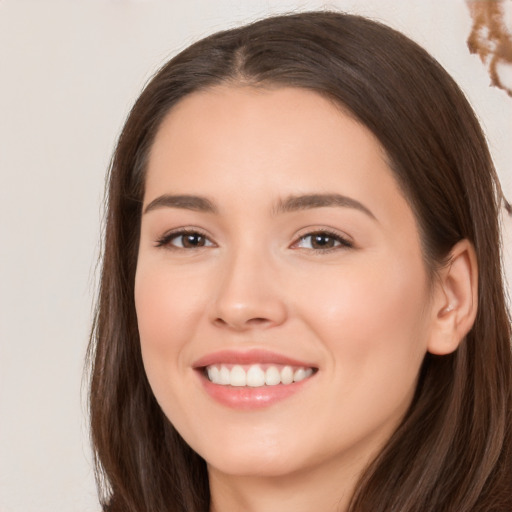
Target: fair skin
{"x":299,"y":249}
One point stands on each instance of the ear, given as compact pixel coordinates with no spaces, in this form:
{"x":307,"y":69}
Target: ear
{"x":455,"y":300}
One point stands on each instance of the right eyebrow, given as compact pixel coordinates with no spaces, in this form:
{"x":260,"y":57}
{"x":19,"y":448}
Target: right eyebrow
{"x":185,"y":202}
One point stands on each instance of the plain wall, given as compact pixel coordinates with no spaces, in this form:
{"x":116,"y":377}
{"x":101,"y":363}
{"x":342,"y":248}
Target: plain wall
{"x":69,"y":72}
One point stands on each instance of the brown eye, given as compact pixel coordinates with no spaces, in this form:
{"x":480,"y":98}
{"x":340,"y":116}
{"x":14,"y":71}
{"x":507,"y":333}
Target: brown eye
{"x":185,"y":240}
{"x":191,"y":240}
{"x":323,"y":241}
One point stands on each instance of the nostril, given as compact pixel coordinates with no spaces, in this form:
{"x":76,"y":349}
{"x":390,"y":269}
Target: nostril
{"x":257,"y":321}
{"x":243,"y":324}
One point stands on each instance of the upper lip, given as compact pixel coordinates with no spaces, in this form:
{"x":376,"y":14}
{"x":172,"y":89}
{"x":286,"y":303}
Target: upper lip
{"x":253,"y":356}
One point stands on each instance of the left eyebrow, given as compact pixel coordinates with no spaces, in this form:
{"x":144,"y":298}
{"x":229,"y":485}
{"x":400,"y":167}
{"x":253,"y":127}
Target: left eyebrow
{"x":310,"y":201}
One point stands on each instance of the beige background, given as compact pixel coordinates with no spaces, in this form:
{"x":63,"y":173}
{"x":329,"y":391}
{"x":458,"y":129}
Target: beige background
{"x":69,"y":72}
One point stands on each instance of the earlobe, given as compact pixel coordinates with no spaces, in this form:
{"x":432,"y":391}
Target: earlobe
{"x":455,"y":300}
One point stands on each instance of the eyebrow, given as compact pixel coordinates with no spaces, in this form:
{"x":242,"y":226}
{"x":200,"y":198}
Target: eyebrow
{"x":309,"y":201}
{"x":185,"y":202}
{"x":290,"y":204}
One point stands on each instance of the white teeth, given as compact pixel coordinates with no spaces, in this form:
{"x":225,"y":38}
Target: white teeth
{"x":302,"y":373}
{"x":238,"y":376}
{"x":224,"y":376}
{"x":272,"y":376}
{"x":299,"y":375}
{"x":287,"y":375}
{"x":213,"y":373}
{"x":255,"y":376}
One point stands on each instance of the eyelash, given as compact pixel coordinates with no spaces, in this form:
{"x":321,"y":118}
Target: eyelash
{"x":342,"y":242}
{"x":165,"y":240}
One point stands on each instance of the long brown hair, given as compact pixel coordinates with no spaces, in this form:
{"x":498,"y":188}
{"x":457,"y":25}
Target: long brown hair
{"x":453,"y":450}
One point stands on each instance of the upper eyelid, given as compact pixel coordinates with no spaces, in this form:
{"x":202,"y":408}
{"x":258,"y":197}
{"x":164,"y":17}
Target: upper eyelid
{"x":186,"y":230}
{"x":174,"y":233}
{"x":313,"y":230}
{"x":345,"y":242}
{"x":342,"y":242}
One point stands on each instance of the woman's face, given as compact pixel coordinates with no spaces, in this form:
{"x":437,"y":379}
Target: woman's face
{"x":276,"y":245}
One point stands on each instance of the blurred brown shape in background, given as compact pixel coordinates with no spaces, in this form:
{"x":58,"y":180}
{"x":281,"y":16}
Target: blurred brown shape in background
{"x":491,"y":39}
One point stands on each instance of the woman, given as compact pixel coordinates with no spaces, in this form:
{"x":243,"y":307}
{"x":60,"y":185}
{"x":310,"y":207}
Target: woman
{"x":301,"y":301}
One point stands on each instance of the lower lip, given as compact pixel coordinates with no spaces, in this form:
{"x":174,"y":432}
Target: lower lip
{"x":251,"y":398}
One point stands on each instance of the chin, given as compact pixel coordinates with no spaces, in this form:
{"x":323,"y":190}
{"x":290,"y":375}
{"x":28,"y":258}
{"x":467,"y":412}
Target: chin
{"x":265,"y":458}
{"x":263,"y":466}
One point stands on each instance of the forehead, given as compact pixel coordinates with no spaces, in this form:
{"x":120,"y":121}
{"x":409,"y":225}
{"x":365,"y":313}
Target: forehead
{"x":263,"y":113}
{"x":273,"y":142}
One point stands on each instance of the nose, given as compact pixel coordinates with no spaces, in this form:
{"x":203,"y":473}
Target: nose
{"x":248,"y":294}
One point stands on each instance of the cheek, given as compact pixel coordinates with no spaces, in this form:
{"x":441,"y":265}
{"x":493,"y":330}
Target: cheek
{"x":168,"y":306}
{"x":371,"y":317}
{"x":373,"y":330}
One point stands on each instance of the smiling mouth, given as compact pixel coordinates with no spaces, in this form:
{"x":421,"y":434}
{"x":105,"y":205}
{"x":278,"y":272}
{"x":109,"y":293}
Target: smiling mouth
{"x":256,"y":375}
